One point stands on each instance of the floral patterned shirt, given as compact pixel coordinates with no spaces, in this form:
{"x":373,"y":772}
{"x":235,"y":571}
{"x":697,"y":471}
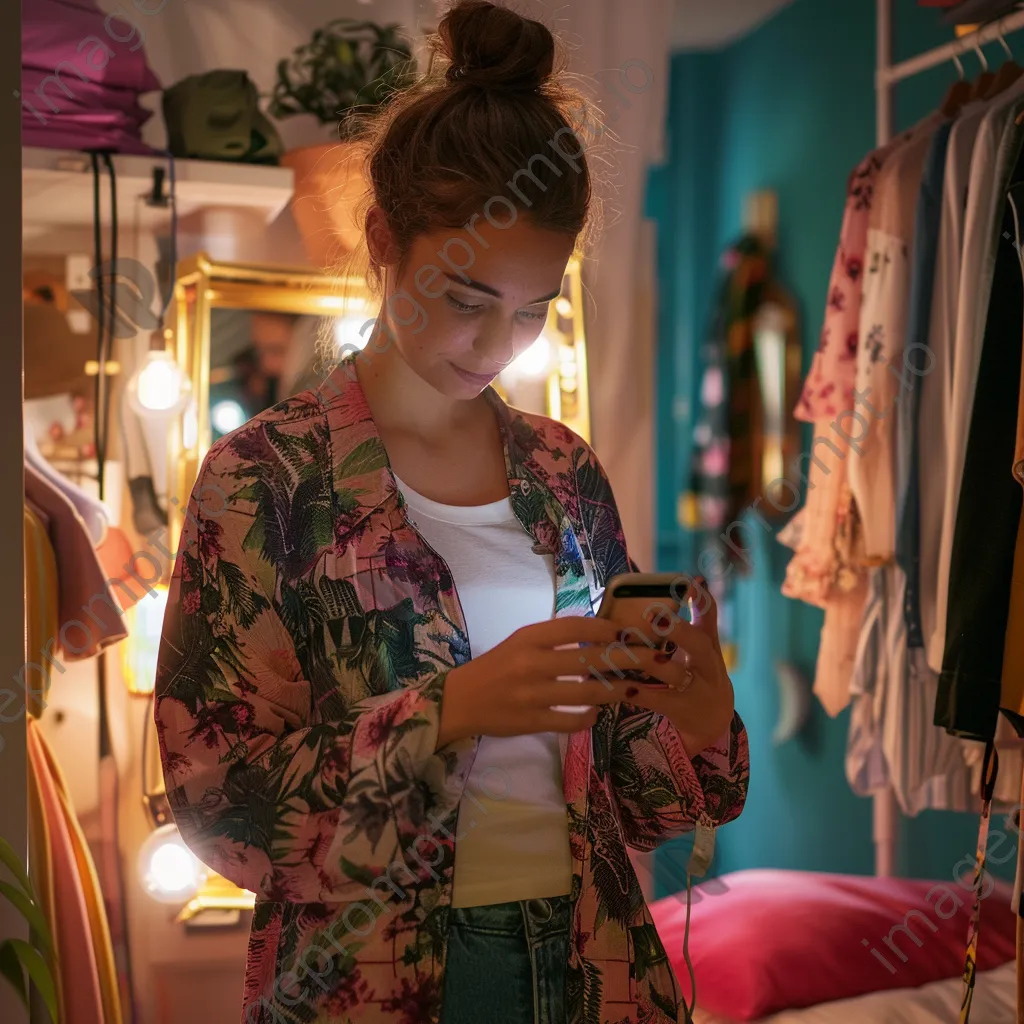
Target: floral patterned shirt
{"x":308,"y":634}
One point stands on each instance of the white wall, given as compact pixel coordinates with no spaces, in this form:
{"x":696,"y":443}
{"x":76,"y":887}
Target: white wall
{"x":186,"y":38}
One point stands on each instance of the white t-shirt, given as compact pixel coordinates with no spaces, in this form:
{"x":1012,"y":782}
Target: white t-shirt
{"x":512,"y":841}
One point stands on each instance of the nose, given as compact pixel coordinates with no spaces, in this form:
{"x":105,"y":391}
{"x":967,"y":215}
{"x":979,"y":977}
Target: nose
{"x":496,"y":344}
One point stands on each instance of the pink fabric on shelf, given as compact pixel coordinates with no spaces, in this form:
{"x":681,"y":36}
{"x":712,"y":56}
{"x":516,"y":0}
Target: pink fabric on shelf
{"x":76,"y":136}
{"x":82,"y":71}
{"x":89,"y":614}
{"x":106,"y":48}
{"x":44,"y":103}
{"x":764,"y":941}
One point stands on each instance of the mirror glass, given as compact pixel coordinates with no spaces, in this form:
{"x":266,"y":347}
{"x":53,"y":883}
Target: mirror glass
{"x":257,"y":359}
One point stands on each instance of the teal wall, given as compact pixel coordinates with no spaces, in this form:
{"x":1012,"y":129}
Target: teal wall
{"x":792,"y":108}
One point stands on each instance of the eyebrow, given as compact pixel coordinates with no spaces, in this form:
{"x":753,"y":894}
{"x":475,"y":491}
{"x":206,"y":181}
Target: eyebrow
{"x":486,"y":288}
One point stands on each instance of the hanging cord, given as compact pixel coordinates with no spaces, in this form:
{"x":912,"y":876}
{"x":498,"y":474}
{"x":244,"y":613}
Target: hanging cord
{"x":147,"y":515}
{"x":989,"y":774}
{"x":107,"y":343}
{"x":101,"y":313}
{"x":173,"y":255}
{"x":691,"y":1006}
{"x":111,"y":869}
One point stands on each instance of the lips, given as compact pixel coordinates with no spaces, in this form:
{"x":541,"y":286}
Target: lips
{"x":482,"y":379}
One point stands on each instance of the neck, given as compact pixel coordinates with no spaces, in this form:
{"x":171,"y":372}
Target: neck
{"x":400,"y":400}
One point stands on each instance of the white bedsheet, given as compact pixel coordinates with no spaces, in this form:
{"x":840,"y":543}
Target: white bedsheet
{"x":995,"y":1002}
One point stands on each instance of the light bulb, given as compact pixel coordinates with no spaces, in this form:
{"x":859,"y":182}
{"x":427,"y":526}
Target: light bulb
{"x":227,"y":416}
{"x":535,"y":361}
{"x":159,"y":386}
{"x":171,"y":872}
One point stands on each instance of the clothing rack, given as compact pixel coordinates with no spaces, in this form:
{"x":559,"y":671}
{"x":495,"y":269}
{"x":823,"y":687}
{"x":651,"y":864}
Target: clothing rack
{"x":887,"y":75}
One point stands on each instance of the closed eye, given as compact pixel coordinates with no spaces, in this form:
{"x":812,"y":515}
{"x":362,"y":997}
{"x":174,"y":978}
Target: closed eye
{"x":533,"y":316}
{"x":462,"y":307}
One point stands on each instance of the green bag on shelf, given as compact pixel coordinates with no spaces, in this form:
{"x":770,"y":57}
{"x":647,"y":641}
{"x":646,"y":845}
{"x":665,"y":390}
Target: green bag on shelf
{"x":216,"y":116}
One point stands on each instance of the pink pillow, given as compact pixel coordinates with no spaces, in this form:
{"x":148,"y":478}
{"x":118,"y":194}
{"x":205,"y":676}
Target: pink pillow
{"x":763,"y":941}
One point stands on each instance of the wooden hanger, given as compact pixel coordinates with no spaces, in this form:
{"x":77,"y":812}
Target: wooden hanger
{"x":1007,"y":74}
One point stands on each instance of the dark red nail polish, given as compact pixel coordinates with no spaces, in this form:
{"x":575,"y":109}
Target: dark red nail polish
{"x":631,"y":691}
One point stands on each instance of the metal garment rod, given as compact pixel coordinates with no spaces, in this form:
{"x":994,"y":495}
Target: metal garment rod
{"x":888,"y":74}
{"x":886,"y":819}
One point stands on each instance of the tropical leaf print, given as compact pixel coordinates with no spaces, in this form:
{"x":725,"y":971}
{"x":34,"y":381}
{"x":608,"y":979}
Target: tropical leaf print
{"x":301,"y":676}
{"x":368,"y":457}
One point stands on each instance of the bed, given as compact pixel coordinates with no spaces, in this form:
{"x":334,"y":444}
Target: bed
{"x":995,"y":1002}
{"x":773,"y":946}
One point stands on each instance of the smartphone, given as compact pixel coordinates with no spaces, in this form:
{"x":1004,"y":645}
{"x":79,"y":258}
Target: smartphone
{"x":631,"y":594}
{"x":642,"y":591}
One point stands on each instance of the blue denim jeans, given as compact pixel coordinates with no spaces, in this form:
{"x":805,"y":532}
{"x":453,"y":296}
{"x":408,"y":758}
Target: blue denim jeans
{"x":506,"y":962}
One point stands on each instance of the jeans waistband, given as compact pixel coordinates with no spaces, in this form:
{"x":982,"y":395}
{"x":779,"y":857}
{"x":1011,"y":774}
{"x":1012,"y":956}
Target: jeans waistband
{"x":539,"y":917}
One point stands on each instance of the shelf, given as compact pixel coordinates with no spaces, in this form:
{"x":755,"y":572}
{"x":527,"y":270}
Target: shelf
{"x":58,"y":189}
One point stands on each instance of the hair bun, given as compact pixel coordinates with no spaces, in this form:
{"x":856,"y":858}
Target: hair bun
{"x":494,"y":48}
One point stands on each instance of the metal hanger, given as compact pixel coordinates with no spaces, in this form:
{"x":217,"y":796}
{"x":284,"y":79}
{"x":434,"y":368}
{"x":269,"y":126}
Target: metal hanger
{"x":1010,"y":70}
{"x":959,"y":92}
{"x":984,"y":81}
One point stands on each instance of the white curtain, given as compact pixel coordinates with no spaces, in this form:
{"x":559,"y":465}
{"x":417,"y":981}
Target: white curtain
{"x":612,"y":41}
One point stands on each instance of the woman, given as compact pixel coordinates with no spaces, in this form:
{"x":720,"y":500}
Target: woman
{"x":365,"y":692}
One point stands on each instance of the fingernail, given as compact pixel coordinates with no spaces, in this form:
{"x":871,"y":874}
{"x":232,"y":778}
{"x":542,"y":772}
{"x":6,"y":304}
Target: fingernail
{"x":631,"y":691}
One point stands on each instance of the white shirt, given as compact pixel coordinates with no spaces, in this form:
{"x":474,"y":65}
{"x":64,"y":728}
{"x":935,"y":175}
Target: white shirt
{"x":512,"y":839}
{"x":880,"y":341}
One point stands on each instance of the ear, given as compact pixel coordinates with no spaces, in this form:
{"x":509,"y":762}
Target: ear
{"x":379,"y":239}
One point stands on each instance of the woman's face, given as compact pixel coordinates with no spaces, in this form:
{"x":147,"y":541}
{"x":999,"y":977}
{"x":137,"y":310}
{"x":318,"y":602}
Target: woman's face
{"x":466,"y":303}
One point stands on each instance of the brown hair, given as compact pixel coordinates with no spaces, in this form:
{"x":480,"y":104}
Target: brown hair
{"x":493,"y":119}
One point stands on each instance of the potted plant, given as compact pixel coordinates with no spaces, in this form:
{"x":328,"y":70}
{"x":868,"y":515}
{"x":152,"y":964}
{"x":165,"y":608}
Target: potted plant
{"x":26,"y":965}
{"x":348,"y":68}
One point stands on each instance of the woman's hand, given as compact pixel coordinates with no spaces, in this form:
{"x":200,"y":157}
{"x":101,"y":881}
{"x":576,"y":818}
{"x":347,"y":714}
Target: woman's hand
{"x":697,"y":694}
{"x":510,"y":690}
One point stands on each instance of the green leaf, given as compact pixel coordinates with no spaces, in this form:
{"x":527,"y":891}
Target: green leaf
{"x":13,"y":863}
{"x":338,"y":70}
{"x":29,"y":911}
{"x":367,"y":457}
{"x":256,"y":536}
{"x":357,"y":873}
{"x":11,"y":969}
{"x":647,"y":949}
{"x":39,"y":972}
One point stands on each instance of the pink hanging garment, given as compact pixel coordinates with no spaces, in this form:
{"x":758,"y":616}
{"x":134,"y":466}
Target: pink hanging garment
{"x":79,"y":977}
{"x":82,"y":73}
